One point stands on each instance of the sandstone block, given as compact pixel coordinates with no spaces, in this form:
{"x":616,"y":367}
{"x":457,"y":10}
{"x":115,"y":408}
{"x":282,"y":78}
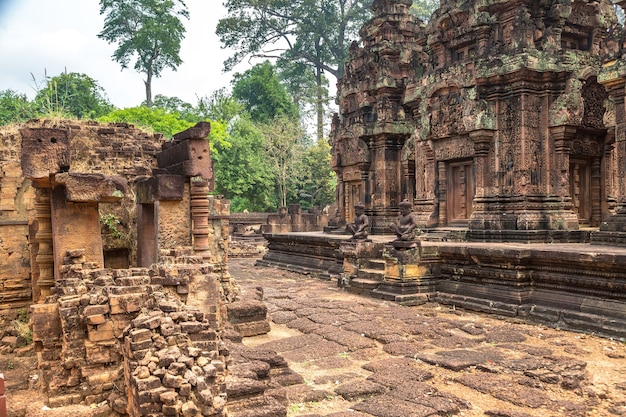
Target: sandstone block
{"x":101,"y":332}
{"x":146,"y":384}
{"x":172,"y":381}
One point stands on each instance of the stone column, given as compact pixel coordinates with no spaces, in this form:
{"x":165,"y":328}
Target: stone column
{"x":562,"y":136}
{"x":482,"y":139}
{"x":43,"y":270}
{"x":200,"y":217}
{"x":613,"y":78}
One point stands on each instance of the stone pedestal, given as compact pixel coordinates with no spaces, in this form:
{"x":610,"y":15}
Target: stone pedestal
{"x":357,"y":270}
{"x":411,"y":273}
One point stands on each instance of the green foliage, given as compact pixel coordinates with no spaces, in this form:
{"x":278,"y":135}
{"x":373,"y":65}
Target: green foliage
{"x":22,"y":326}
{"x":312,"y":34}
{"x":241,"y":170}
{"x":262,"y":95}
{"x":156,"y":120}
{"x":316,"y":180}
{"x":71,"y":94}
{"x":219,"y":106}
{"x":146,"y":31}
{"x":184,"y":110}
{"x":219,"y":137}
{"x":423,"y":9}
{"x":315,"y":32}
{"x":110,"y":222}
{"x":284,"y":149}
{"x":14,"y":108}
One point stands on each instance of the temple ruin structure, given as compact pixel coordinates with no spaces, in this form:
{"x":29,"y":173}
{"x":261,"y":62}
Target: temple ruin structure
{"x":497,"y":117}
{"x":114,"y":246}
{"x":503,"y":124}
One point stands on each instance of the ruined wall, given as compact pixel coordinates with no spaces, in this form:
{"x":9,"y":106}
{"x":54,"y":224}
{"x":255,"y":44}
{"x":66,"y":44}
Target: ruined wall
{"x":130,"y":337}
{"x":16,"y":201}
{"x":114,"y":149}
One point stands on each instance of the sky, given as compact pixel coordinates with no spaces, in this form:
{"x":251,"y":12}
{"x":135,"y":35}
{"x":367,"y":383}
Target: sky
{"x":39,"y":37}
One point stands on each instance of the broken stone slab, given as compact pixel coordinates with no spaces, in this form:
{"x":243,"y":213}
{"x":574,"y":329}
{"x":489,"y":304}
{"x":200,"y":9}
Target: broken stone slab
{"x":200,"y":131}
{"x":458,"y":360}
{"x":45,"y":152}
{"x":162,"y":187}
{"x":87,"y":188}
{"x":189,"y":157}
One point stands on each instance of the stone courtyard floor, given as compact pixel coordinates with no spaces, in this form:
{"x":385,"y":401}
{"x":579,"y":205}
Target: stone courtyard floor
{"x":364,"y":357}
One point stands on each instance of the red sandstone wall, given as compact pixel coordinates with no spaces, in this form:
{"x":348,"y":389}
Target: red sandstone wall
{"x":115,"y":149}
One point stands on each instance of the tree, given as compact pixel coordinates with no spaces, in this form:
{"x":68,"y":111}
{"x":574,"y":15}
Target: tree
{"x":149,"y":31}
{"x":242,"y":173}
{"x":282,"y":138}
{"x":219,"y":106}
{"x":316,"y":179}
{"x":311,"y":97}
{"x":316,"y":33}
{"x":175,"y":105}
{"x":14,"y":107}
{"x":262,"y":95}
{"x":73,"y":94}
{"x":156,"y":120}
{"x":423,"y":9}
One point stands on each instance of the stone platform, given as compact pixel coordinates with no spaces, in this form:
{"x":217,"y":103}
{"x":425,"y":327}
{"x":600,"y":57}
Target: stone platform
{"x":575,"y":286}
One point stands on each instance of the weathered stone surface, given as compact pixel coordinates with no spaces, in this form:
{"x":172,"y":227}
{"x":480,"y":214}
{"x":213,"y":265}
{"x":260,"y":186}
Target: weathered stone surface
{"x":45,"y":151}
{"x":354,"y":390}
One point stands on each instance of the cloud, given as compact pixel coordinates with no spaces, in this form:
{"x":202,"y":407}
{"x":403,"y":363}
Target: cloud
{"x":50,"y":37}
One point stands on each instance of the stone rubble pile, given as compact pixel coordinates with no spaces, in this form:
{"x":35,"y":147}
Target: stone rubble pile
{"x":128,"y":337}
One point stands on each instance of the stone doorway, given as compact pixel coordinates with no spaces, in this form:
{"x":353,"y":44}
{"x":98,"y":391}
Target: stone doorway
{"x":580,"y":190}
{"x":461,"y":189}
{"x":354,"y":196}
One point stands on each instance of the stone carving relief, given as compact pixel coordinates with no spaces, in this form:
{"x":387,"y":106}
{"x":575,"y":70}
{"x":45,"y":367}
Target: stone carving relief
{"x":454,"y":148}
{"x":353,"y":152}
{"x":568,"y":107}
{"x":586,"y":146}
{"x":594,"y":97}
{"x":446,"y":114}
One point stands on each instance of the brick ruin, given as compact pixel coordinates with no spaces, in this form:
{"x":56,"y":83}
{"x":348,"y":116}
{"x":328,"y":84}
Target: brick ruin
{"x":111,"y":238}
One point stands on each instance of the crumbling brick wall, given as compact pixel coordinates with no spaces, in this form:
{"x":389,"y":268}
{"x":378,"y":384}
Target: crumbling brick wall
{"x":128,"y":337}
{"x":113,"y":149}
{"x":16,"y":201}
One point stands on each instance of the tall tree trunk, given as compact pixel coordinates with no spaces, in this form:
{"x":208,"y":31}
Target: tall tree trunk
{"x":319,"y":103}
{"x":148,"y":84}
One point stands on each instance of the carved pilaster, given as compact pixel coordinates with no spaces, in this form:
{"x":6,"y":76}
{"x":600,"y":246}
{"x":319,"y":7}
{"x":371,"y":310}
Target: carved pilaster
{"x":43,"y":278}
{"x":200,"y":217}
{"x":562,"y":136}
{"x":482,"y":139}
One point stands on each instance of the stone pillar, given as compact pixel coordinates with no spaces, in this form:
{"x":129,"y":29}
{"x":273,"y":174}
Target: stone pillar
{"x":482,"y":218}
{"x":43,"y":269}
{"x":200,"y":217}
{"x":562,"y":136}
{"x":482,"y":139}
{"x":443,"y":189}
{"x":613,"y":78}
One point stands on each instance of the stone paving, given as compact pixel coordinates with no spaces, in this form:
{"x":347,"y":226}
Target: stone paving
{"x":363,"y":357}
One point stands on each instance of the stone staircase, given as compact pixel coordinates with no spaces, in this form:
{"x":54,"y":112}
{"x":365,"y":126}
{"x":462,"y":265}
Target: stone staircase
{"x":369,"y":277}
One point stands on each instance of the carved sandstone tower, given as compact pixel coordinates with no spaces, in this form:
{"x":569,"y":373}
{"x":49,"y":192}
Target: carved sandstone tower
{"x":511,"y":132}
{"x":370,"y":140}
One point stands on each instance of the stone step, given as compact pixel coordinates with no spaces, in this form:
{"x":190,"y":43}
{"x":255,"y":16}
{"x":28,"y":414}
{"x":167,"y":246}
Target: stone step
{"x":375,"y":264}
{"x":371,"y":274}
{"x":364,"y":283}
